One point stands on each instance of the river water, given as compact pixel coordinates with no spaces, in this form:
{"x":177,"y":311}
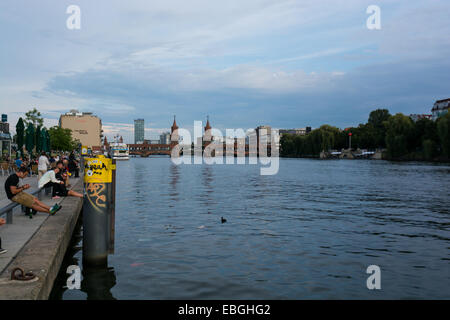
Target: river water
{"x":308,"y":232}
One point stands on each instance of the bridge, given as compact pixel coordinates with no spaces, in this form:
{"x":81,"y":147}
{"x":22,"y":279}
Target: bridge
{"x":146,"y":149}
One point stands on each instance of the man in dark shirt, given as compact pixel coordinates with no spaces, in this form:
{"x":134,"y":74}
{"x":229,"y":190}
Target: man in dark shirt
{"x":16,"y":193}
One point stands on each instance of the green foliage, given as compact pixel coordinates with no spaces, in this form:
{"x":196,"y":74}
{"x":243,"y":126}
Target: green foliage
{"x":399,"y":131}
{"x":378,"y":117}
{"x":61,"y":139}
{"x":20,"y":132}
{"x":37,"y":139}
{"x":443,"y":129}
{"x":29,"y":138}
{"x":403,"y":138}
{"x":429,"y":149}
{"x":376,"y":123}
{"x":34,"y":117}
{"x":324,"y":138}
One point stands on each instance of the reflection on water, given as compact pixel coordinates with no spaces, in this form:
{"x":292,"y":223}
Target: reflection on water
{"x":310,"y":231}
{"x":96,"y":283}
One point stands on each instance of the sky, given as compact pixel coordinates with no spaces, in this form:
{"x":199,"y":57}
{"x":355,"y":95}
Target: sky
{"x":287,"y":64}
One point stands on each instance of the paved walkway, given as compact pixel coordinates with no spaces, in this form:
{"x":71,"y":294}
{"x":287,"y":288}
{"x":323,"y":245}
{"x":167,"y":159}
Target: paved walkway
{"x":14,"y":236}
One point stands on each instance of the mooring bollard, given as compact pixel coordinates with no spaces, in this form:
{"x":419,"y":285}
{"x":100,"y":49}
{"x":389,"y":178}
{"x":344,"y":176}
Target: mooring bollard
{"x":97,"y":210}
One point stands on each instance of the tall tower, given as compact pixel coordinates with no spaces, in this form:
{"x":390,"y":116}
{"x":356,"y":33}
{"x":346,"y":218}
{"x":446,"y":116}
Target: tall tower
{"x":139,"y":131}
{"x":207,"y":137}
{"x":174,"y":134}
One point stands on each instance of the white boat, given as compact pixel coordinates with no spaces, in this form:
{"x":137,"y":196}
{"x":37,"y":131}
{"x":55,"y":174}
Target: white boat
{"x":119,"y":150}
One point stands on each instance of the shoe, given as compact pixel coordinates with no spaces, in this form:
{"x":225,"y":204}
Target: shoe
{"x":56,"y":197}
{"x":55,"y":209}
{"x":3,"y":251}
{"x":28,"y":213}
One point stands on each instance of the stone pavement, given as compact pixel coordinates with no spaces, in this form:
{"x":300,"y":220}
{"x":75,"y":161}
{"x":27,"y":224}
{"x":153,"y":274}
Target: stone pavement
{"x":14,"y":236}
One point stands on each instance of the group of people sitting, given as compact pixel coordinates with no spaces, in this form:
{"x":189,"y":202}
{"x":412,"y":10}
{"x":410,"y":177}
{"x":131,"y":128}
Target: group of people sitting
{"x":55,"y":178}
{"x":25,"y":162}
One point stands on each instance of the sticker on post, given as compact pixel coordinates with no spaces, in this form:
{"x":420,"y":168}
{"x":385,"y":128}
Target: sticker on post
{"x":98,"y":170}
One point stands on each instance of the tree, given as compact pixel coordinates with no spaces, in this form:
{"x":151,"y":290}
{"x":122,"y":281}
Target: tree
{"x":34,"y":117}
{"x":399,"y":130}
{"x":425,"y":138}
{"x":287,"y":145}
{"x":377,"y":120}
{"x":61,"y":139}
{"x":378,"y":117}
{"x":37,"y":139}
{"x":20,"y":132}
{"x":29,"y":138}
{"x":443,"y":129}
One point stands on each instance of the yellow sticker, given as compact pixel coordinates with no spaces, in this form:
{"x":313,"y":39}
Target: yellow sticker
{"x":84,"y":150}
{"x":98,"y":170}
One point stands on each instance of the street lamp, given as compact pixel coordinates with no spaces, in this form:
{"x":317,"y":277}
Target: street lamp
{"x":350,"y":141}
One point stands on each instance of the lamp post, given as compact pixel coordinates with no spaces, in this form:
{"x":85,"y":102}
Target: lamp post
{"x":350,"y":141}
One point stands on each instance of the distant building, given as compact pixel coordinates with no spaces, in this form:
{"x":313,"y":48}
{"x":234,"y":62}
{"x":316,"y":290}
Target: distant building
{"x":298,"y":131}
{"x":440,"y":108}
{"x":139,"y":131}
{"x":417,"y":117}
{"x":4,"y":126}
{"x":85,"y":127}
{"x":151,"y":141}
{"x":164,"y":138}
{"x":5,"y":137}
{"x":263,"y":136}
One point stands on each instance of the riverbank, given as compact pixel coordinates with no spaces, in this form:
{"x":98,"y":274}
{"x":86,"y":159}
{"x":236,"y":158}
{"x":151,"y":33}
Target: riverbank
{"x":407,"y":158}
{"x":37,"y":245}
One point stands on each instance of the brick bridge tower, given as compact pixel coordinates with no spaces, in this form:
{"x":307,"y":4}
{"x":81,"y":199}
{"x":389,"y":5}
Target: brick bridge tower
{"x":207,"y":137}
{"x":174,"y":137}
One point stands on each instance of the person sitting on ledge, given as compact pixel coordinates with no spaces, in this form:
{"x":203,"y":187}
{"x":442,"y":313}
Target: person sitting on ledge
{"x":16,"y":193}
{"x":63,"y":174}
{"x":59,"y":189}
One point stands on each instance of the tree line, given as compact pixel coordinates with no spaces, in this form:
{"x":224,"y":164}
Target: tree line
{"x":30,"y":131}
{"x":398,"y":135}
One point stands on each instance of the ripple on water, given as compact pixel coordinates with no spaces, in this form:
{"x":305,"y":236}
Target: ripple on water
{"x":308,"y":232}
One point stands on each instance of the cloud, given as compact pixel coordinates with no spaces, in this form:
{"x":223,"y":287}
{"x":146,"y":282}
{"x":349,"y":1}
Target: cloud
{"x":286,"y":63}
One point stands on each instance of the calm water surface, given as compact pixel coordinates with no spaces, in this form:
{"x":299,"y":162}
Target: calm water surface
{"x":308,"y":232}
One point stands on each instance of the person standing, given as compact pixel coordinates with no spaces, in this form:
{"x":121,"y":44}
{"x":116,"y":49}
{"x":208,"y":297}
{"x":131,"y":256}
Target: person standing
{"x":42,"y":165}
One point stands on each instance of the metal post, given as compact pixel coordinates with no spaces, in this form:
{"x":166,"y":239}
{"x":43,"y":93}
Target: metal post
{"x":96,"y":210}
{"x":9,"y":217}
